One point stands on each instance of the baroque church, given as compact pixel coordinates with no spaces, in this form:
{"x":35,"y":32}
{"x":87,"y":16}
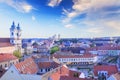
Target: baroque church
{"x":12,"y":43}
{"x":15,"y":36}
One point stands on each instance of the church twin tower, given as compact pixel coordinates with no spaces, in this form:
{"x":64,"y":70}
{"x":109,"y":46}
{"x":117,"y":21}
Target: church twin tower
{"x":15,"y":35}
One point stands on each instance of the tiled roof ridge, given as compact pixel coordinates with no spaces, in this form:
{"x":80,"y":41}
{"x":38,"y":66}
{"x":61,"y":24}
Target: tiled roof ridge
{"x":28,"y":66}
{"x":7,"y":57}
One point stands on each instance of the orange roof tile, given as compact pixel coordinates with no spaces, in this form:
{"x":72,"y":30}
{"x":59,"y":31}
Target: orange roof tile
{"x":110,"y":47}
{"x":65,"y":74}
{"x":61,"y":72}
{"x":4,"y":42}
{"x":7,"y":57}
{"x":112,"y":69}
{"x":117,"y":76}
{"x":28,"y":66}
{"x":71,"y":78}
{"x":48,"y":64}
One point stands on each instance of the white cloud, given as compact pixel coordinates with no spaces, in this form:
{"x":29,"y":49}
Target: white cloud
{"x":94,"y":30}
{"x":53,"y":3}
{"x":70,"y":26}
{"x":33,"y":18}
{"x":20,"y":6}
{"x":115,"y":25}
{"x":99,"y":19}
{"x":93,"y":8}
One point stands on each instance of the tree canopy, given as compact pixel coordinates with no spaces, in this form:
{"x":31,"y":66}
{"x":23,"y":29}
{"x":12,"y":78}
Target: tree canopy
{"x":17,"y":53}
{"x":54,"y":49}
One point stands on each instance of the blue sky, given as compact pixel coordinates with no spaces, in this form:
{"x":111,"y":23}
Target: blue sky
{"x":69,"y":18}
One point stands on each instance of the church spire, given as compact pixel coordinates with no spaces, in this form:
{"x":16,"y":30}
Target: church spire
{"x":18,"y":27}
{"x":13,"y":25}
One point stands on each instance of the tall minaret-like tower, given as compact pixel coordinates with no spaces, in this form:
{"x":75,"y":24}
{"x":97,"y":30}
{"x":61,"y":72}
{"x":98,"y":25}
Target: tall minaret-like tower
{"x":15,"y":36}
{"x":12,"y":33}
{"x":18,"y":40}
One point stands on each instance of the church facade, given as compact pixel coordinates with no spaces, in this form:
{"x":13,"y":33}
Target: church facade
{"x":15,"y":36}
{"x":12,"y":43}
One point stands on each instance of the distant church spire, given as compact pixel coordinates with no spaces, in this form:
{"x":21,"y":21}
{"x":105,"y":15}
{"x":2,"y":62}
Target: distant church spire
{"x":18,"y":27}
{"x":13,"y":25}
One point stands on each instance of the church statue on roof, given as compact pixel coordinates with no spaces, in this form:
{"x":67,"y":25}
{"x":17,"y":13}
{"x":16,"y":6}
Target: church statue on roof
{"x":15,"y":36}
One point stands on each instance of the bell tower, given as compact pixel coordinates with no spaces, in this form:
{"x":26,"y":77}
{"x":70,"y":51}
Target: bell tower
{"x":15,"y":36}
{"x":18,"y":35}
{"x":12,"y":33}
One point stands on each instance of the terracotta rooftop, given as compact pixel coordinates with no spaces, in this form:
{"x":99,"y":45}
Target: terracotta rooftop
{"x":117,"y":76}
{"x":7,"y":57}
{"x":65,"y":74}
{"x":112,"y":69}
{"x":72,"y":78}
{"x":28,"y":66}
{"x":48,"y":64}
{"x":5,"y":42}
{"x":61,"y":72}
{"x":110,"y":47}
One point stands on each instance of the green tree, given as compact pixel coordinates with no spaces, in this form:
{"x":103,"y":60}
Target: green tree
{"x":54,"y":49}
{"x":17,"y":53}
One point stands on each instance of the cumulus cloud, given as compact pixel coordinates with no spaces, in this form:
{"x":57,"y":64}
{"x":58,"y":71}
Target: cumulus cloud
{"x":53,"y":3}
{"x":115,"y":25}
{"x":20,"y":6}
{"x":102,"y":17}
{"x":70,"y":26}
{"x":94,"y":30}
{"x":93,"y":8}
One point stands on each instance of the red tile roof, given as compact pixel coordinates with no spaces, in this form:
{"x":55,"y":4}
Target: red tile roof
{"x":5,"y":42}
{"x":7,"y":57}
{"x":55,"y":76}
{"x":63,"y":71}
{"x":117,"y":76}
{"x":65,"y":74}
{"x":71,"y":78}
{"x":28,"y":66}
{"x":71,"y":73}
{"x":110,"y":47}
{"x":112,"y":69}
{"x":47,"y":65}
